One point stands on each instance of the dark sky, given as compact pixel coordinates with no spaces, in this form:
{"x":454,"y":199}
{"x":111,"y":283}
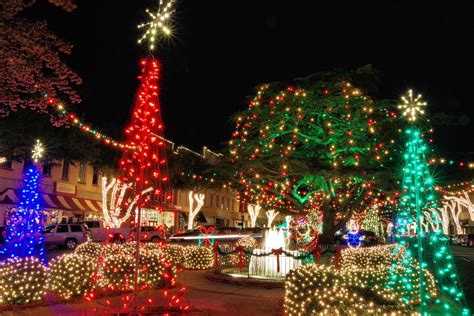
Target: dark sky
{"x":223,"y":49}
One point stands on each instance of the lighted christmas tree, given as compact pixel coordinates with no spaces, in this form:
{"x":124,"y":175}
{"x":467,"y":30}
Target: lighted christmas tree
{"x":371,"y":222}
{"x":24,"y":236}
{"x":422,"y":251}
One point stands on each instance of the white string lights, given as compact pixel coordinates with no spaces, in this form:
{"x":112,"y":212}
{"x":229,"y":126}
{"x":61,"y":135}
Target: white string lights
{"x":253,"y":210}
{"x":193,"y":211}
{"x":112,"y":209}
{"x":159,"y":25}
{"x":412,"y":106}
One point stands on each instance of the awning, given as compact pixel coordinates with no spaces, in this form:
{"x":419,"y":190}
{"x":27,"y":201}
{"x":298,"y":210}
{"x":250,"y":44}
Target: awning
{"x":55,"y":201}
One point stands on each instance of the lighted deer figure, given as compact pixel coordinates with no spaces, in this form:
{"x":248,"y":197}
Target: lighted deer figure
{"x":112,"y":209}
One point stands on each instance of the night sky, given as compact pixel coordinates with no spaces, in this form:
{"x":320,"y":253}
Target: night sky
{"x":223,"y":49}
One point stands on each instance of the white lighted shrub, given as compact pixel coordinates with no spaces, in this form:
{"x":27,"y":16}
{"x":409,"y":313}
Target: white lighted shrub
{"x":116,"y":271}
{"x":91,"y":250}
{"x":22,"y":281}
{"x":198,"y":258}
{"x":71,"y":275}
{"x":247,"y":242}
{"x":374,"y":257}
{"x":175,"y":253}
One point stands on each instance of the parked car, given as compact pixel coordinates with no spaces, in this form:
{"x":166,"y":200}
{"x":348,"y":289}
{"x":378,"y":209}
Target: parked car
{"x":149,"y":233}
{"x":468,"y":240}
{"x":100,"y":232}
{"x":459,"y":240}
{"x":68,"y":235}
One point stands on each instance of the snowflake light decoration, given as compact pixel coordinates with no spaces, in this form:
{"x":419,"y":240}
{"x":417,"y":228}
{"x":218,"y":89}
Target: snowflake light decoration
{"x":412,"y":106}
{"x":37,"y":152}
{"x":159,"y":25}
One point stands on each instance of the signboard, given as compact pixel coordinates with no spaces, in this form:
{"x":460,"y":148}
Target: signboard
{"x":63,"y":187}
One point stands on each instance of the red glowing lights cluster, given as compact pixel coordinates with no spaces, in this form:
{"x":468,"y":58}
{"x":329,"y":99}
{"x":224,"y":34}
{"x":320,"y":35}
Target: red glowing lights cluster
{"x":144,"y":155}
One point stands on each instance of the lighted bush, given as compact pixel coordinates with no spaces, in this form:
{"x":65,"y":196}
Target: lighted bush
{"x":376,"y":257}
{"x":116,"y":272}
{"x":198,"y":258}
{"x":175,"y":253}
{"x":71,"y":275}
{"x":316,"y":289}
{"x":248,"y":243}
{"x":22,"y":281}
{"x":91,"y":250}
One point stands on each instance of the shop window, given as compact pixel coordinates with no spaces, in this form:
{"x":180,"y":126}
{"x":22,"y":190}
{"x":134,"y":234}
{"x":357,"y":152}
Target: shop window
{"x":47,"y":170}
{"x":95,"y":176}
{"x":7,"y":164}
{"x":65,"y":174}
{"x":26,"y":164}
{"x":82,"y":172}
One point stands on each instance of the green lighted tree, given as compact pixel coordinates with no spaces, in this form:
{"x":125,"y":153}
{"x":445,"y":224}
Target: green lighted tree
{"x":422,"y":251}
{"x":319,"y":146}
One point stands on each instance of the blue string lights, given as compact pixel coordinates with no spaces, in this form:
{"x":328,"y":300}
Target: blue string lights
{"x":24,"y":236}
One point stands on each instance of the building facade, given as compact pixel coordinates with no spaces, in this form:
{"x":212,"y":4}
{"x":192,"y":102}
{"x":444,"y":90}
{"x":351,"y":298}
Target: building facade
{"x":70,"y":192}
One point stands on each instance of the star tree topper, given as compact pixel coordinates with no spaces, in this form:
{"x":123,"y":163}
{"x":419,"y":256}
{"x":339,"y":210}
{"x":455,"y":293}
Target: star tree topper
{"x":412,"y":106}
{"x":159,"y":25}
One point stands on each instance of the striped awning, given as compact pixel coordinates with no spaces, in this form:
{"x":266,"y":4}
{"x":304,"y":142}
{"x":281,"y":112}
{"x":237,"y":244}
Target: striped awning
{"x":55,"y":201}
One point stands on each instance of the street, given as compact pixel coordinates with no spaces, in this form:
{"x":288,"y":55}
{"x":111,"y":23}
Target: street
{"x":464,"y":258}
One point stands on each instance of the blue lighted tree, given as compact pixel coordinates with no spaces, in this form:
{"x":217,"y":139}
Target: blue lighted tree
{"x":24,"y":236}
{"x":418,"y":252}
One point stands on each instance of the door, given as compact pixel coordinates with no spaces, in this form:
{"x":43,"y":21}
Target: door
{"x":76,"y":232}
{"x":62,"y":231}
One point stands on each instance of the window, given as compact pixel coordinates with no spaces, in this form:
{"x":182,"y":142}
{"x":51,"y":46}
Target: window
{"x":47,"y":170}
{"x":7,"y":164}
{"x":76,"y":228}
{"x":212,"y":198}
{"x":48,"y":228}
{"x":26,"y":164}
{"x":95,"y":176}
{"x":92,"y":224}
{"x":223,"y":202}
{"x":82,"y":172}
{"x":228,"y":203}
{"x":62,"y":229}
{"x":217,"y":201}
{"x":65,"y":175}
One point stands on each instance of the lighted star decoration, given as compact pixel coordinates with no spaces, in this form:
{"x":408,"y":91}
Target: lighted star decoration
{"x":37,"y":152}
{"x":159,"y":25}
{"x":411,"y":106}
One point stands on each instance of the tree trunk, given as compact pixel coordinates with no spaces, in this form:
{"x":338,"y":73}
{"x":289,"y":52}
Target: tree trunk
{"x":329,"y":227}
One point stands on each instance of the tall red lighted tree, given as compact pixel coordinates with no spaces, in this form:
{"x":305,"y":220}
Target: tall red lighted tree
{"x":143,"y":167}
{"x":144,"y":164}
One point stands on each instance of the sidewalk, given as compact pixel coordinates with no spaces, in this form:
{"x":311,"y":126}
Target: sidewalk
{"x":204,"y":296}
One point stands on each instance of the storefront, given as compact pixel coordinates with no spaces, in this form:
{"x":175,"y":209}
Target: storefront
{"x":57,"y":208}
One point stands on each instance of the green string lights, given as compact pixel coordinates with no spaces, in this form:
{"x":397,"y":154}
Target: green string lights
{"x":430,"y":249}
